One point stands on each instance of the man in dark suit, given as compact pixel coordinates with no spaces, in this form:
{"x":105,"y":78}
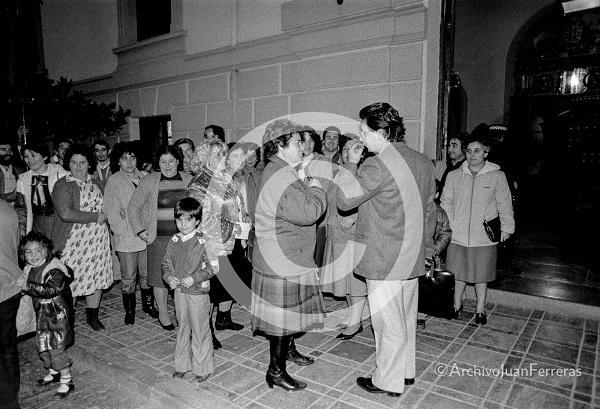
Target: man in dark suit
{"x":394,"y":192}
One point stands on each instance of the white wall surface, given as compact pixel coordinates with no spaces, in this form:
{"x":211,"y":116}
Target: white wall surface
{"x":79,"y":36}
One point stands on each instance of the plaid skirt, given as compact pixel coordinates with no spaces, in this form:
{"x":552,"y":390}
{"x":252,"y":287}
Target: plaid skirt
{"x":285,"y":306}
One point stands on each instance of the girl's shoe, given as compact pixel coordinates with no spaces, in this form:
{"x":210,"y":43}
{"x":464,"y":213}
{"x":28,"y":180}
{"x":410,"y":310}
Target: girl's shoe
{"x":50,"y":378}
{"x":344,"y":337}
{"x":64,"y":390}
{"x":201,"y":378}
{"x":458,"y":313}
{"x":169,"y":327}
{"x":178,"y":375}
{"x":481,"y":318}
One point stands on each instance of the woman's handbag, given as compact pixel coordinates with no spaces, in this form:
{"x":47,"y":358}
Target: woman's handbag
{"x":436,"y":293}
{"x":493,"y":229}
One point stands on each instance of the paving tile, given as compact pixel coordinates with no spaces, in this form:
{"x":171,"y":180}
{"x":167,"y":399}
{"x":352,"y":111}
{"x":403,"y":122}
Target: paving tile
{"x":515,"y":311}
{"x":587,"y":359}
{"x":499,"y":390}
{"x":480,"y":357}
{"x":444,"y":327}
{"x":238,"y":379}
{"x":558,"y":334}
{"x":512,"y":324}
{"x":430,"y":345}
{"x":325,"y":402}
{"x":277,"y":398}
{"x":590,"y":340}
{"x":554,"y":351}
{"x":436,"y":401}
{"x":527,"y":397}
{"x":489,"y":337}
{"x":457,"y":395}
{"x":465,"y":378}
{"x":564,"y":320}
{"x":353,"y":351}
{"x":324,"y":372}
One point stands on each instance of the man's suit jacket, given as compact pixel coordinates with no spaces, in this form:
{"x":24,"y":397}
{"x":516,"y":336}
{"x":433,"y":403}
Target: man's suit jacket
{"x":394,"y":193}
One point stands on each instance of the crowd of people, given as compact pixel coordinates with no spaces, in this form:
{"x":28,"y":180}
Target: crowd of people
{"x":271,"y":227}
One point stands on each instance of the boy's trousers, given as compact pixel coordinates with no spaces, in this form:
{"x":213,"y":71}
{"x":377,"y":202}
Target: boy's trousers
{"x":195,"y":354}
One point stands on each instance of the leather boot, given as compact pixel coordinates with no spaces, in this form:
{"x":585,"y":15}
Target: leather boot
{"x":223,"y":321}
{"x":129,"y":304}
{"x":276,"y":374}
{"x":92,"y":319}
{"x":148,"y":302}
{"x":296,"y":357}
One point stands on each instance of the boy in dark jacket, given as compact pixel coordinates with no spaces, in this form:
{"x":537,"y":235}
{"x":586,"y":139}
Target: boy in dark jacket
{"x":46,"y":279}
{"x":187,"y":270}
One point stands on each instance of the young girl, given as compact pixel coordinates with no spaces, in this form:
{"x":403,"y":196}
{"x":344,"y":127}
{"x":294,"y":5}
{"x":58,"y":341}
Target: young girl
{"x":46,"y":279}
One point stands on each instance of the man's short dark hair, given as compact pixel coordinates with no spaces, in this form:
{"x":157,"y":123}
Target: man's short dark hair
{"x":382,"y":115}
{"x":188,"y":207}
{"x":101,"y":142}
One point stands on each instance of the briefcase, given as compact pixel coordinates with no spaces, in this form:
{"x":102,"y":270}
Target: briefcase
{"x":436,"y":293}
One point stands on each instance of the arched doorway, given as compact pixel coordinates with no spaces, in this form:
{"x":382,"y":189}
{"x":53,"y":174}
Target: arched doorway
{"x":538,"y":70}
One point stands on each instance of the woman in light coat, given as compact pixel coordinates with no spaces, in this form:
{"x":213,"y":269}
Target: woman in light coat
{"x":130,"y":249}
{"x":474,"y":193}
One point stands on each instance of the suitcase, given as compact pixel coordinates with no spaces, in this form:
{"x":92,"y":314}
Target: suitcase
{"x":436,"y":293}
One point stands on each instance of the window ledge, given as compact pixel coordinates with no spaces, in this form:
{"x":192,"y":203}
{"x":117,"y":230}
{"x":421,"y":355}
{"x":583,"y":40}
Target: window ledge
{"x":159,"y":47}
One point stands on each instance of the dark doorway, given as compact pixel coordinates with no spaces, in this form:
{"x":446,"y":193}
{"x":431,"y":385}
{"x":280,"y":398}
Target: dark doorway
{"x":154,"y":133}
{"x":537,"y":70}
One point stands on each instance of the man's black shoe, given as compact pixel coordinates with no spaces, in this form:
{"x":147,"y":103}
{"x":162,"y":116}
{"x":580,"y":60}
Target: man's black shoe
{"x":367,"y":385}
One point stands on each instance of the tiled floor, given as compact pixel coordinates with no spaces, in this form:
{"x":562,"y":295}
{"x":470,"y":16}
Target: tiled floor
{"x":458,"y":366}
{"x":544,"y":269}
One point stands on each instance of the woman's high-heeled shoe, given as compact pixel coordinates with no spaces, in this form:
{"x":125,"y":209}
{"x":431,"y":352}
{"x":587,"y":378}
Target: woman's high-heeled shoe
{"x":458,"y":313}
{"x":481,"y":318}
{"x":344,"y":337}
{"x":169,"y":327}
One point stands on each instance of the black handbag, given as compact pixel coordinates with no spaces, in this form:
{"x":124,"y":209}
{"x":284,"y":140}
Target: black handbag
{"x":436,"y":293}
{"x":493,"y":229}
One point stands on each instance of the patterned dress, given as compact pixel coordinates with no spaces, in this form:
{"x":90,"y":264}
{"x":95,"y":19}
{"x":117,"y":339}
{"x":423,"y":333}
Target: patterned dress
{"x":87,"y":250}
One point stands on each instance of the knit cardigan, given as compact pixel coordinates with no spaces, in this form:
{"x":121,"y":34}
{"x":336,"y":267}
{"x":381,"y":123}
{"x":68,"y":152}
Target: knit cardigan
{"x":142,"y":208}
{"x":117,"y":193}
{"x":66,"y":199}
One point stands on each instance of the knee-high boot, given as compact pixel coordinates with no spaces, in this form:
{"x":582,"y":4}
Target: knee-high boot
{"x":215,"y":341}
{"x":296,"y":357}
{"x":148,"y":302}
{"x":276,"y":374}
{"x":129,"y":304}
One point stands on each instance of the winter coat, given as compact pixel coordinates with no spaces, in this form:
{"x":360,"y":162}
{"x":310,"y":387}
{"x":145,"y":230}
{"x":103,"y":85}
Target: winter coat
{"x":469,"y":200}
{"x":286,"y":213}
{"x":53,"y":304}
{"x":396,"y":212}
